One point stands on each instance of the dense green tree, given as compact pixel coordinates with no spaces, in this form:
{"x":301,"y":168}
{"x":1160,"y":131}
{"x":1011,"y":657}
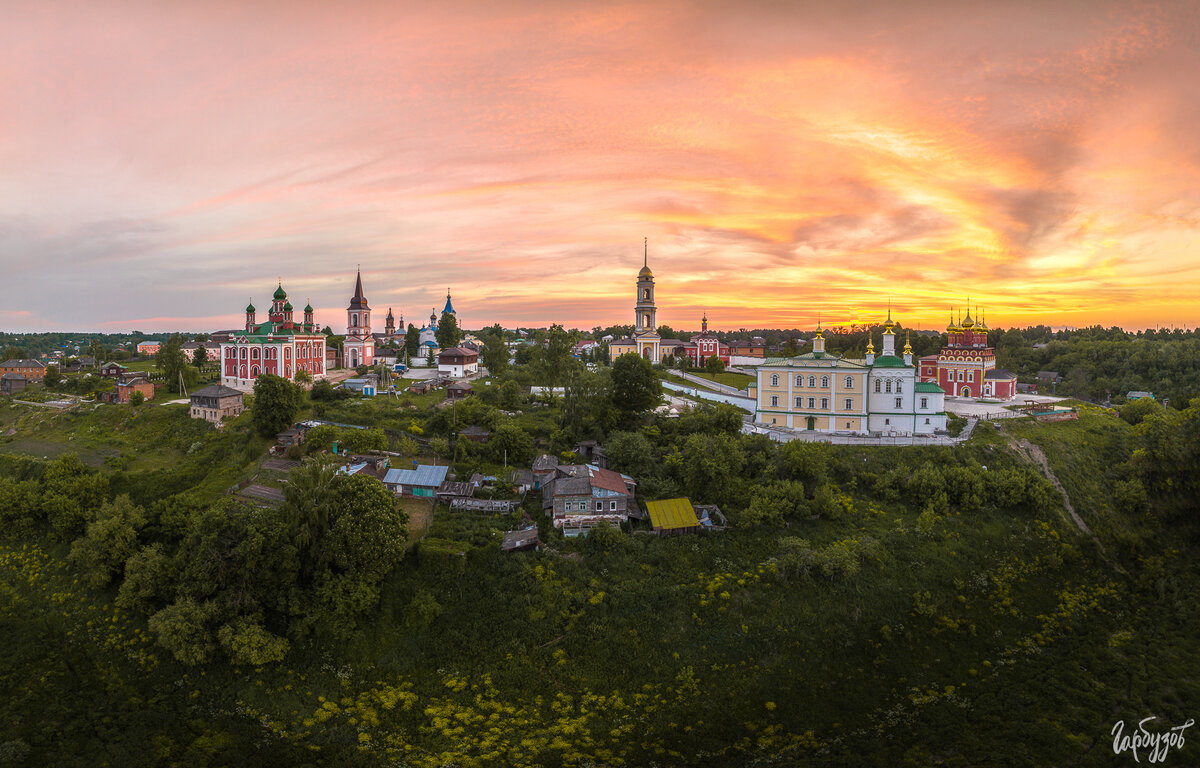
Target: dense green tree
{"x":52,"y":378}
{"x":246,"y":642}
{"x":714,"y":365}
{"x":412,"y":341}
{"x":635,"y":388}
{"x":200,"y":357}
{"x":512,"y":444}
{"x":631,"y":453}
{"x":495,"y":355}
{"x":276,"y":403}
{"x":149,"y":578}
{"x":1135,"y":411}
{"x":183,"y":628}
{"x":448,"y":333}
{"x":709,"y":466}
{"x":173,"y":363}
{"x":111,"y":538}
{"x":136,"y":399}
{"x":587,"y":410}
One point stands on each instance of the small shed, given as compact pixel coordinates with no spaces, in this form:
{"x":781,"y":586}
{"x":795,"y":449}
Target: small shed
{"x":672,"y":516}
{"x":459,"y":390}
{"x":12,"y":382}
{"x":450,"y":490}
{"x":290,"y":437}
{"x":421,"y":387}
{"x":475,"y":434}
{"x":522,"y":540}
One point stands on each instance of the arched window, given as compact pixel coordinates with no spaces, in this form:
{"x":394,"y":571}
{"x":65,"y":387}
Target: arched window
{"x":812,"y":381}
{"x":849,"y":382}
{"x":254,"y":354}
{"x":888,"y":386}
{"x":812,"y":402}
{"x":774,"y":380}
{"x":877,"y":387}
{"x":243,"y":355}
{"x":287,"y":353}
{"x":824,"y":382}
{"x":354,"y":320}
{"x":899,"y":387}
{"x":253,"y":371}
{"x":646,"y":294}
{"x":799,"y":380}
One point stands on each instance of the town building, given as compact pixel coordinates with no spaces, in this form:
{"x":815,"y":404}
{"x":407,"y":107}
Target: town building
{"x":359,"y":346}
{"x":966,"y":366}
{"x":127,"y":386}
{"x":580,"y":497}
{"x":705,"y":345}
{"x":33,"y":370}
{"x":422,"y":481}
{"x":215,"y":403}
{"x":645,"y":340}
{"x":280,"y":346}
{"x":112,"y":370}
{"x":825,"y":392}
{"x":458,"y":362}
{"x":148,"y":348}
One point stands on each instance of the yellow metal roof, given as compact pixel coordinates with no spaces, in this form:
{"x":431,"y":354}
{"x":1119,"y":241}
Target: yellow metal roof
{"x":668,"y":514}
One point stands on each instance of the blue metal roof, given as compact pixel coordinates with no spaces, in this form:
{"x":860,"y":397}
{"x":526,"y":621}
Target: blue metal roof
{"x":424,"y":476}
{"x":449,"y":307}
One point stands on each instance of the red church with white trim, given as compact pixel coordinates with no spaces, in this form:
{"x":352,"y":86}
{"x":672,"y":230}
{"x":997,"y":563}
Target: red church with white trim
{"x":966,"y":366}
{"x":705,"y":345}
{"x":280,"y":346}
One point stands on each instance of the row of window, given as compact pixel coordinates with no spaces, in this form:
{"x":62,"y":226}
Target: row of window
{"x":812,"y":381}
{"x":582,"y":506}
{"x":888,"y":385}
{"x":849,"y":403}
{"x":270,"y":353}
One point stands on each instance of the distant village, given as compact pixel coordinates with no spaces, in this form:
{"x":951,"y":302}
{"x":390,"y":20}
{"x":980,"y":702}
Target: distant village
{"x":888,"y":395}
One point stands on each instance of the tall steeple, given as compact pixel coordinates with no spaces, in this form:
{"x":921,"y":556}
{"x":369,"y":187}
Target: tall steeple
{"x":449,"y":308}
{"x":819,"y":339}
{"x":704,"y":323}
{"x":359,"y":346}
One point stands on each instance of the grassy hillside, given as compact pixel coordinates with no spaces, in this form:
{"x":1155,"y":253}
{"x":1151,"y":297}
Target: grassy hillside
{"x":887,"y":630}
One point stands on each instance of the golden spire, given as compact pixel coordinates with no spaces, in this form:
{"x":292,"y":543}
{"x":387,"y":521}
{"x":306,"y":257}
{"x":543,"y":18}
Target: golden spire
{"x":870,"y":346}
{"x":907,"y":345}
{"x":889,"y":324}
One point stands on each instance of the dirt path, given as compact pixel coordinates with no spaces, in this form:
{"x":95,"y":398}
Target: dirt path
{"x":1036,"y":455}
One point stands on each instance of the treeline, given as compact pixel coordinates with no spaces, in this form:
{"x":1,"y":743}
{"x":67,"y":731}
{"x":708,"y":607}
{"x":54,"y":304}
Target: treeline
{"x":1102,"y":369}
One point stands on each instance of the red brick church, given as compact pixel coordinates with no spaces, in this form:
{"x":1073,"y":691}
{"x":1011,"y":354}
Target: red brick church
{"x":966,"y":366}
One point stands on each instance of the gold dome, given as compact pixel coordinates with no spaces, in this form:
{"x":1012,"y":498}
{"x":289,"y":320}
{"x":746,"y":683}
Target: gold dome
{"x":645,"y":272}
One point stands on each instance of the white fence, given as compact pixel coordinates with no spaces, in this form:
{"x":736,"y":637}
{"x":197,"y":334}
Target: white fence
{"x":742,"y":401}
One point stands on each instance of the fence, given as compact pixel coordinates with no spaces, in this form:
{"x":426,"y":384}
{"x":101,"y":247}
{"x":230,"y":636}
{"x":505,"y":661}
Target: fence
{"x":484,"y":505}
{"x":787,"y":435}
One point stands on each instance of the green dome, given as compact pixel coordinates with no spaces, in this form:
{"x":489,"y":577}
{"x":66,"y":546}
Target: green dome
{"x":308,"y":308}
{"x":287,"y":307}
{"x":280,"y":293}
{"x":249,"y":307}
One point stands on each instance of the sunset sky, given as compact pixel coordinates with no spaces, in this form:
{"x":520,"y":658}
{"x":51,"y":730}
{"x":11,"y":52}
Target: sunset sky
{"x":161,"y":163}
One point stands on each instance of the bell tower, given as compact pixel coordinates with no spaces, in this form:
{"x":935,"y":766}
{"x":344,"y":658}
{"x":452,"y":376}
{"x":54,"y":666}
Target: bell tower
{"x":645,"y":325}
{"x":359,"y":346}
